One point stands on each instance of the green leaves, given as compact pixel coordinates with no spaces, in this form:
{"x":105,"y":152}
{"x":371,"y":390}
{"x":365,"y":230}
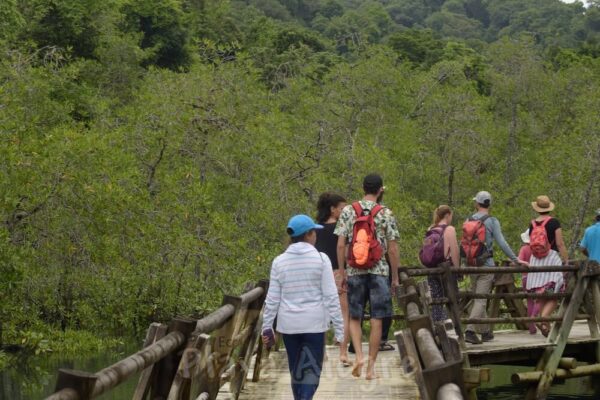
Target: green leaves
{"x":151,"y":155}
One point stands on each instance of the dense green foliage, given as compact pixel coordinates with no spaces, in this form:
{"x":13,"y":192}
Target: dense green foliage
{"x":152,"y":150}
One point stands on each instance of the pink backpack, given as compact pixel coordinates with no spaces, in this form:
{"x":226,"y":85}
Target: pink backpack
{"x":538,"y":239}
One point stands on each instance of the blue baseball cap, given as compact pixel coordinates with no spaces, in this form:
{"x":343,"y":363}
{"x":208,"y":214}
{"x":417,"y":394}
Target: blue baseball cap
{"x":300,"y":224}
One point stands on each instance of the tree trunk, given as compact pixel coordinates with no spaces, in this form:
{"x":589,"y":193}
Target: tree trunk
{"x":587,"y":197}
{"x":512,"y":145}
{"x":351,"y":132}
{"x":451,"y":186}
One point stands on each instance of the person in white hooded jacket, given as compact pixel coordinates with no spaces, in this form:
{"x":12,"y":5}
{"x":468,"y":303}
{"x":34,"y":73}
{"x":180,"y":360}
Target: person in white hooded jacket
{"x":303,"y":296}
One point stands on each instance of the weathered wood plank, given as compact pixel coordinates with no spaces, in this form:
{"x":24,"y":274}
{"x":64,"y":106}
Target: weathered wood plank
{"x":552,"y":356}
{"x":156,"y":332}
{"x":595,"y":289}
{"x":535,"y":376}
{"x":336,"y":380}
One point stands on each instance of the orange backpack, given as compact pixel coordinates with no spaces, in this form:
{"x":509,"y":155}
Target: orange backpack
{"x":538,"y":239}
{"x":472,"y":244}
{"x":364,"y":250}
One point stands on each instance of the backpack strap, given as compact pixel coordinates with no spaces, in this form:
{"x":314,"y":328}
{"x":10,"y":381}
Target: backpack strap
{"x":376,"y":210}
{"x":482,"y":221}
{"x":543,"y":223}
{"x":357,"y":208}
{"x":447,"y":256}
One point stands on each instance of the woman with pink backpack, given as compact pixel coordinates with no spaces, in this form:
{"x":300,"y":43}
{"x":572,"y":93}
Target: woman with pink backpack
{"x":547,"y":249}
{"x":440,"y":248}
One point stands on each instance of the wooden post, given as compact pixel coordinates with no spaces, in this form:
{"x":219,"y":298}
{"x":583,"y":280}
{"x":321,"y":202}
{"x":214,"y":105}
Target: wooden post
{"x":79,"y":381}
{"x":223,"y":346}
{"x":167,"y":367}
{"x":156,"y":331}
{"x":454,"y":308}
{"x":203,"y":375}
{"x":258,"y":362}
{"x":423,"y":289}
{"x":596,"y":312}
{"x":504,"y":284}
{"x":252,"y":321}
{"x":552,"y":355}
{"x":438,"y":377}
{"x":409,"y":357}
{"x":450,"y":347}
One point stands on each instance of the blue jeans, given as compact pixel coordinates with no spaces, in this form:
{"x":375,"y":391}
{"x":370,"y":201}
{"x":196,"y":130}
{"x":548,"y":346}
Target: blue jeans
{"x":305,"y":360}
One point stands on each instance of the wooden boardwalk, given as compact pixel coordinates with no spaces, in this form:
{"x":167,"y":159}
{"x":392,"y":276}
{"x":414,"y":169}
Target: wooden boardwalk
{"x":517,"y":346}
{"x":508,"y":346}
{"x":336,"y":380}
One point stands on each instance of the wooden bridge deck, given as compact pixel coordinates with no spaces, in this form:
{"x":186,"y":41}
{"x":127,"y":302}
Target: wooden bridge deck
{"x":512,"y":346}
{"x":336,"y":380}
{"x":509,"y":346}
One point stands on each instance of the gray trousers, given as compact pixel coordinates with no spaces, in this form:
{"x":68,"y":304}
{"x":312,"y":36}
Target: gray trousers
{"x":480,"y":284}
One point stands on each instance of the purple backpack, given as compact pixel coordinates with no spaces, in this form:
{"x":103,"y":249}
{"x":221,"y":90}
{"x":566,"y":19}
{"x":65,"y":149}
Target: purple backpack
{"x":432,"y":251}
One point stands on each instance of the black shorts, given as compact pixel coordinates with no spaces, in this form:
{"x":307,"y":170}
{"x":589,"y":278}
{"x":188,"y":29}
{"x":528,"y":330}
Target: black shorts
{"x":375,"y":289}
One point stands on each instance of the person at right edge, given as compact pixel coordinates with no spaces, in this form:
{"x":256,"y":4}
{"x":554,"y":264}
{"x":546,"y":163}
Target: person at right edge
{"x":590,"y":245}
{"x":482,"y":283}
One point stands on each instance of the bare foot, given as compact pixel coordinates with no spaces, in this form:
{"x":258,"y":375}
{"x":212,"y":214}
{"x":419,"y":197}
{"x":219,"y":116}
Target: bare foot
{"x":344,"y":361}
{"x":371,"y":373}
{"x":357,"y":368}
{"x":372,"y":376}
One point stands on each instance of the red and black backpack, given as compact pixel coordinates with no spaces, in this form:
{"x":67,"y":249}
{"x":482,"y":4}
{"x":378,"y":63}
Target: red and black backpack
{"x":364,"y":250}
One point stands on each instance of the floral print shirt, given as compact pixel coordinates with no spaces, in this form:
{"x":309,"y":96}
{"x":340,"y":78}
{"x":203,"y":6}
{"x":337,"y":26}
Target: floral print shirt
{"x":386,"y":229}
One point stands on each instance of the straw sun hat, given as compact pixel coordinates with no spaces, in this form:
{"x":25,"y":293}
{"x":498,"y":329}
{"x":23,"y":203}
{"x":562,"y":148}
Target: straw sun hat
{"x":542,"y":204}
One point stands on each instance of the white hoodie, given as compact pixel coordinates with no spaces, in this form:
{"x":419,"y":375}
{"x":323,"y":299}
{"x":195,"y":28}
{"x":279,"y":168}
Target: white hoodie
{"x":302,"y":293}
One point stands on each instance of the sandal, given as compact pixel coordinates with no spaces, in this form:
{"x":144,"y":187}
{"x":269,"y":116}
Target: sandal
{"x":385,"y":346}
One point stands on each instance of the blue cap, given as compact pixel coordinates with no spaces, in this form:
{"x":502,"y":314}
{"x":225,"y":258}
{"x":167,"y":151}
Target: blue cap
{"x":300,"y":224}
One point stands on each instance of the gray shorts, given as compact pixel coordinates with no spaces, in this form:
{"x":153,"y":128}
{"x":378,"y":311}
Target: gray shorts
{"x":375,"y":289}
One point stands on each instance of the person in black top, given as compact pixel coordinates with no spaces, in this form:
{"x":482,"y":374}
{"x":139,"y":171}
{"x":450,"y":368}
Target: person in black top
{"x":329,"y":208}
{"x":543,"y":206}
{"x":547,"y":282}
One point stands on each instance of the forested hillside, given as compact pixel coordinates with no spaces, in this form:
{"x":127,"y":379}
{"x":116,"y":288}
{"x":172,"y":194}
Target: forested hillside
{"x":152,"y":150}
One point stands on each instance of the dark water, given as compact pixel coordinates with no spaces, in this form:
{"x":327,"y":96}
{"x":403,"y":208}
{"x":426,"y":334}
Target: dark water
{"x":501,"y":388}
{"x":29,"y":381}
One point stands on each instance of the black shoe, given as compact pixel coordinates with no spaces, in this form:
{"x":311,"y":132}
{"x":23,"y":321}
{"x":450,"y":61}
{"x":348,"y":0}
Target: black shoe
{"x":471,"y":337}
{"x":487,"y":336}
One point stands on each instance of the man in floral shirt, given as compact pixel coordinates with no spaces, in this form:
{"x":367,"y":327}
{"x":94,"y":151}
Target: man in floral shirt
{"x":368,"y":284}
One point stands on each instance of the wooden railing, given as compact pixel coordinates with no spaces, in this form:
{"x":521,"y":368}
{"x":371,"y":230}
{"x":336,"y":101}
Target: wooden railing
{"x":438,"y":371}
{"x":519,"y":316}
{"x":185,"y":360}
{"x":582,"y":293}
